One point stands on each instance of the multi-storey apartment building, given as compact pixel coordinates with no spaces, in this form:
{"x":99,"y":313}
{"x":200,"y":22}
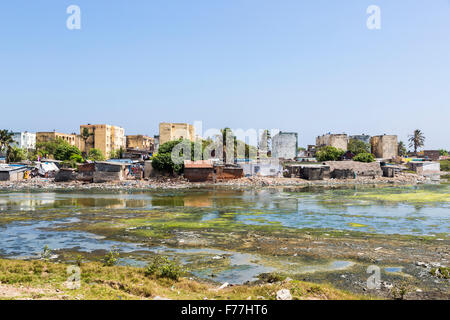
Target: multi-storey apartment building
{"x":104,"y":137}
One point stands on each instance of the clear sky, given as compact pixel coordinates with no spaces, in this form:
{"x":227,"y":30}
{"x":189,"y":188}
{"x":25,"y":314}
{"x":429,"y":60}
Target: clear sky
{"x":306,"y":66}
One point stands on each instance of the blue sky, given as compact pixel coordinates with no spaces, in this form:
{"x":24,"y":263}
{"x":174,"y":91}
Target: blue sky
{"x":306,"y":66}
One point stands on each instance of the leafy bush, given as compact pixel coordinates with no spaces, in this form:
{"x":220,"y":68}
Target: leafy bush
{"x":64,"y":151}
{"x":46,"y":253}
{"x":357,"y":146}
{"x":364,"y":157}
{"x":329,"y":153}
{"x":163,"y":160}
{"x":76,"y":158}
{"x":59,"y":149}
{"x":15,"y":154}
{"x":272,"y":277}
{"x":162,"y":267}
{"x":445,"y":165}
{"x":117,"y":154}
{"x":96,"y":155}
{"x":111,"y":258}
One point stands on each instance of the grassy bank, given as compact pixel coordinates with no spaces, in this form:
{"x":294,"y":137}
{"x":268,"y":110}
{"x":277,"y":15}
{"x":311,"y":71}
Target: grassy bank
{"x":45,"y":280}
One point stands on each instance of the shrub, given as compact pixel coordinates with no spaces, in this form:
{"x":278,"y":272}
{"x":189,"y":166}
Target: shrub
{"x":272,"y":277}
{"x":111,"y":258}
{"x":117,"y":154}
{"x":445,"y":165}
{"x":329,"y":153}
{"x":15,"y":154}
{"x":46,"y":253}
{"x":162,"y":267}
{"x":64,"y":151}
{"x":357,"y":146}
{"x":163,"y":160}
{"x":96,"y":155}
{"x":364,"y":157}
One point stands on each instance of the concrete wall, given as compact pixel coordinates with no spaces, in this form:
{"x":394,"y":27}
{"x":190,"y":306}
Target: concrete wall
{"x":140,"y":142}
{"x":199,"y":174}
{"x":425,"y":168}
{"x":339,"y":141}
{"x":15,"y":175}
{"x":285,"y":145}
{"x":103,"y":176}
{"x":175,"y":131}
{"x":384,"y":147}
{"x":361,"y":168}
{"x":263,"y":168}
{"x":229,"y":173}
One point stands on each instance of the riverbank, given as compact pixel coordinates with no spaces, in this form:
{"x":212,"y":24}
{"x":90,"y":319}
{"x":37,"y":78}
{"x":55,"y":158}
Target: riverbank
{"x":40,"y":280}
{"x":180,"y":183}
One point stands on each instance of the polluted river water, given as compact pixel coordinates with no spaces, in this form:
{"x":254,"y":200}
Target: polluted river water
{"x":194,"y":226}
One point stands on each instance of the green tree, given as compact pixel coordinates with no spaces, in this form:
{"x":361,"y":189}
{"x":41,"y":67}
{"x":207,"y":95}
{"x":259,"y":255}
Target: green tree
{"x":443,"y":152}
{"x":402,"y":149}
{"x":416,"y":140}
{"x":356,"y":146}
{"x":364,"y":157}
{"x":85,"y":135}
{"x":15,"y":154}
{"x":96,"y":155}
{"x":163,"y":160}
{"x":6,"y":139}
{"x":329,"y":153}
{"x":64,"y":151}
{"x":248,"y":151}
{"x":117,"y":154}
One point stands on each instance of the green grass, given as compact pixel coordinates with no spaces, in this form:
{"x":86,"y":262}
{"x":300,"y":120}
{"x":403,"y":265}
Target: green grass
{"x":42,"y":280}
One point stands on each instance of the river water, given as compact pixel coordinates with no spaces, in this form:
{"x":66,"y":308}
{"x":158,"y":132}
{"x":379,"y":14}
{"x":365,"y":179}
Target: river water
{"x":31,"y":220}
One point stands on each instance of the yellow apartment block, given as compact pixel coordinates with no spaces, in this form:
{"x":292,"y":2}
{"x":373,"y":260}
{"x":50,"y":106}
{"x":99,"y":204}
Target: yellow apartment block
{"x":175,"y":131}
{"x":104,"y":137}
{"x":140,"y":142}
{"x":49,"y":136}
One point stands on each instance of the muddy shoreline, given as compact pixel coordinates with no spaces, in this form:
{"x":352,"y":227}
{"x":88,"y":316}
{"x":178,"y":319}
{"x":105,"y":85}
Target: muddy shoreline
{"x":180,"y":183}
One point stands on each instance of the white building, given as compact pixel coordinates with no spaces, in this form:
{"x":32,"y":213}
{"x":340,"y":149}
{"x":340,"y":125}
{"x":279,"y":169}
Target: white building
{"x":25,"y":140}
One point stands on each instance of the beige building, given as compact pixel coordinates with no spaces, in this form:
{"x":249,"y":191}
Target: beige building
{"x":104,"y":137}
{"x":175,"y":131}
{"x":140,"y":142}
{"x":50,"y":136}
{"x":339,"y":141}
{"x":385,"y":146}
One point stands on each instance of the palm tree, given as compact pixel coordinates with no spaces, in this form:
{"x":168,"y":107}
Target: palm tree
{"x":416,"y":140}
{"x":6,"y":139}
{"x":85,"y":135}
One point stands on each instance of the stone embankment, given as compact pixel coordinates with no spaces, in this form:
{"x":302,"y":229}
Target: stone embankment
{"x":179,"y":183}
